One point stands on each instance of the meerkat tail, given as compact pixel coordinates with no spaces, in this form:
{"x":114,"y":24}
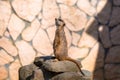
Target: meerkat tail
{"x":72,"y":60}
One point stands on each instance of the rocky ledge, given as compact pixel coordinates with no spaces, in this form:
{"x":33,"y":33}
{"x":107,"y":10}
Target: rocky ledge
{"x":47,"y":68}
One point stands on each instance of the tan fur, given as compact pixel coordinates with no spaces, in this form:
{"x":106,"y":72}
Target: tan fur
{"x":60,"y":44}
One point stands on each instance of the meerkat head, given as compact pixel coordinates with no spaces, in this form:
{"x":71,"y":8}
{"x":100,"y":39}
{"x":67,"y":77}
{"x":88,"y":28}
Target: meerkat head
{"x":59,"y":22}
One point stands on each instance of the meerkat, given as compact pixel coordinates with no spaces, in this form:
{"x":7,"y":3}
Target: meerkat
{"x":60,"y":44}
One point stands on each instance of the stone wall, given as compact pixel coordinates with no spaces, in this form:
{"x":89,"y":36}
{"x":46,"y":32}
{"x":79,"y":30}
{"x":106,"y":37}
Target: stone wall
{"x":92,"y":29}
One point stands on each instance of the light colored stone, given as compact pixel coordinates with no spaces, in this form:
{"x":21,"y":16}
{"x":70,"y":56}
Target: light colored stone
{"x":74,"y":18}
{"x":7,"y":34}
{"x":113,"y":55}
{"x":27,"y":9}
{"x":86,"y":7}
{"x":112,"y":71}
{"x":115,"y":18}
{"x":50,"y":12}
{"x":39,"y":54}
{"x":13,"y":70}
{"x":90,"y":35}
{"x":42,"y":43}
{"x":104,"y":11}
{"x":105,"y":36}
{"x":91,"y":24}
{"x":15,"y":26}
{"x":68,"y":37}
{"x":94,"y":2}
{"x":51,"y":33}
{"x":40,"y":16}
{"x":115,"y":35}
{"x":75,"y":38}
{"x":30,"y":31}
{"x":101,"y":5}
{"x":95,"y":59}
{"x":5,"y":58}
{"x":26,"y":52}
{"x":5,"y":12}
{"x":116,"y":2}
{"x":3,"y":73}
{"x":67,"y":2}
{"x":8,"y":46}
{"x":77,"y":53}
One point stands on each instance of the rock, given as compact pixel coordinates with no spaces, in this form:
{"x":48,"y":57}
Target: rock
{"x":42,"y":43}
{"x":26,"y":52}
{"x":113,"y":56}
{"x":104,"y":11}
{"x":25,"y":72}
{"x":74,"y":18}
{"x":116,"y":2}
{"x":5,"y":13}
{"x":51,"y":7}
{"x":7,"y":34}
{"x":60,"y":66}
{"x":15,"y":27}
{"x":40,"y":16}
{"x":87,"y":41}
{"x":45,"y":68}
{"x":91,"y":25}
{"x":75,"y":38}
{"x":39,"y":54}
{"x":39,"y":61}
{"x":105,"y":36}
{"x":68,"y":37}
{"x":29,"y":8}
{"x":98,"y":74}
{"x":69,"y":76}
{"x":51,"y":33}
{"x":86,"y":7}
{"x":37,"y":75}
{"x":67,"y":2}
{"x":112,"y":71}
{"x":13,"y":70}
{"x":30,"y":32}
{"x":3,"y":73}
{"x":78,"y":53}
{"x":95,"y":59}
{"x":8,"y":46}
{"x":94,"y":3}
{"x":5,"y":58}
{"x":115,"y":18}
{"x":90,"y":34}
{"x":115,"y":38}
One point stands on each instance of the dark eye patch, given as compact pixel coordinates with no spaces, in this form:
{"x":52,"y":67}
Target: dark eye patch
{"x":60,"y":20}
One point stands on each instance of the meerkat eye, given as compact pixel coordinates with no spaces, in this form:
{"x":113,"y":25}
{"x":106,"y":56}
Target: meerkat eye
{"x":60,"y":20}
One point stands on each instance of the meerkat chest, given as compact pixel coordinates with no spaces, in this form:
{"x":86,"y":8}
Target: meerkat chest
{"x":62,"y":42}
